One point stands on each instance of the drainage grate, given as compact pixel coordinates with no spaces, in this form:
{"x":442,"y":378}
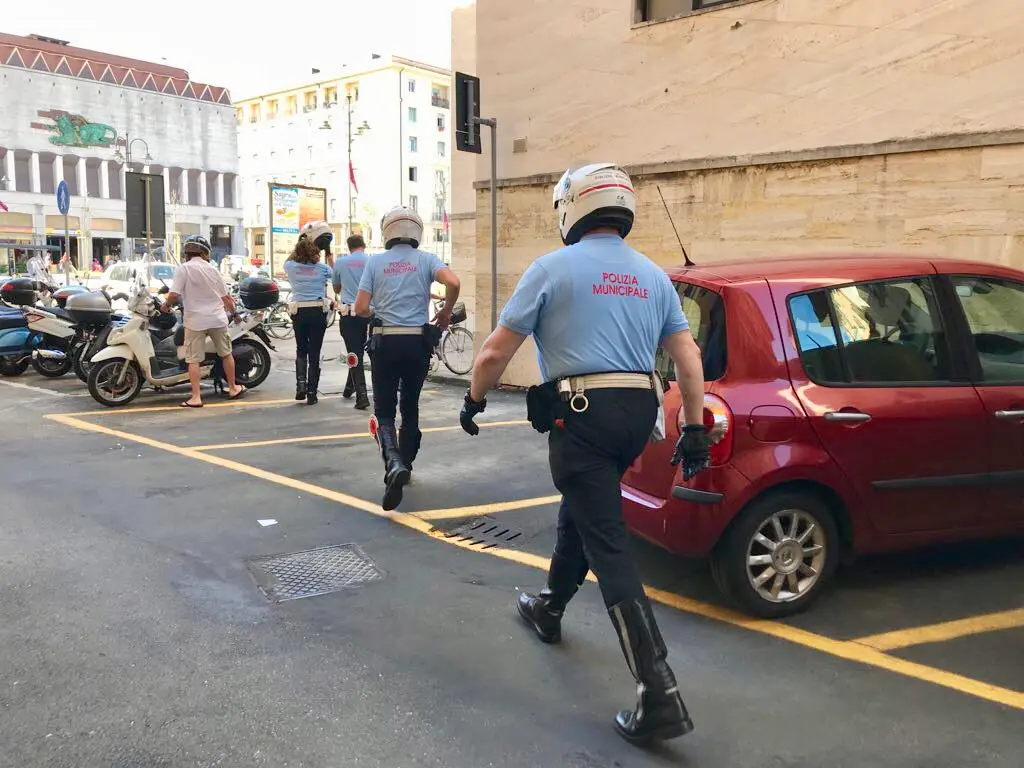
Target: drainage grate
{"x":486,"y":533}
{"x":313,"y":572}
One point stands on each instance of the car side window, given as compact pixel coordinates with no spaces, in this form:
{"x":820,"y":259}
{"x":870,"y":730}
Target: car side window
{"x":995,"y":316}
{"x":118,"y":272}
{"x":889,"y":333}
{"x":705,"y":314}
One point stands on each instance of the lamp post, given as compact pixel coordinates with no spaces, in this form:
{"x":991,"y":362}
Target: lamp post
{"x":360,"y":130}
{"x":126,"y":158}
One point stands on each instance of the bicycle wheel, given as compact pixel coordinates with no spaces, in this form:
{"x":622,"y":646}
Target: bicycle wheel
{"x":457,"y":351}
{"x":279,"y":322}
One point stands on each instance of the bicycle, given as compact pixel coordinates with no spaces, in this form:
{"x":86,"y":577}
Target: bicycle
{"x":455,"y":349}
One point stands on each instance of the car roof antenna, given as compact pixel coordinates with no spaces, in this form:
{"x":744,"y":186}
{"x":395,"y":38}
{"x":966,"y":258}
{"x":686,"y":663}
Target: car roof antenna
{"x":686,"y":258}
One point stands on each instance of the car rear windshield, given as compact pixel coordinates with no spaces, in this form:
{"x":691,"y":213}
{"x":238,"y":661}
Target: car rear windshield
{"x":705,"y":312}
{"x":163,"y":272}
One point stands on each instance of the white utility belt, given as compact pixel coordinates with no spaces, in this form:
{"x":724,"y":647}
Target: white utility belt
{"x":574,"y":388}
{"x":295,"y":306}
{"x":397,"y":330}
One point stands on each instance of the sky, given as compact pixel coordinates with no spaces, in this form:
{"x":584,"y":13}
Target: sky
{"x":225,"y":43}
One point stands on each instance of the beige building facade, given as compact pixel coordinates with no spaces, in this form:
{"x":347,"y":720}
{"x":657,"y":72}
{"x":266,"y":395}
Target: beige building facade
{"x":770,"y":126}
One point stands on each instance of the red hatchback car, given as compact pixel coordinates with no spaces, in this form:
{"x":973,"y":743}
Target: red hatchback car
{"x":858,"y":403}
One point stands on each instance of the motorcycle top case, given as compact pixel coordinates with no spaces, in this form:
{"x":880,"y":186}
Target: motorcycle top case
{"x":90,"y":308}
{"x":62,"y":296}
{"x":258,"y":293}
{"x":20,"y":291}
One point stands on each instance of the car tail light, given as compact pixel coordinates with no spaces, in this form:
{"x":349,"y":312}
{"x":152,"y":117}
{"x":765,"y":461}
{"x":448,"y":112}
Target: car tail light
{"x":718,"y":420}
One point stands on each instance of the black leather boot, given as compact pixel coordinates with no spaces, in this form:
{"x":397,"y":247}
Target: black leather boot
{"x":660,"y":713}
{"x":314,"y":382}
{"x":350,"y":387}
{"x":300,"y":377}
{"x":358,"y":375}
{"x":396,"y":474}
{"x":409,"y":445}
{"x":544,"y":612}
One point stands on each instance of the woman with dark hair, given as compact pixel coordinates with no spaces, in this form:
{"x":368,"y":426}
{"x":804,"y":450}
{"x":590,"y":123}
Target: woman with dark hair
{"x":309,"y":305}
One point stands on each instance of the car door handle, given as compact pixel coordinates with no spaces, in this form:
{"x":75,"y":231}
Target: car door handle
{"x":1017,"y":414}
{"x":850,"y":417}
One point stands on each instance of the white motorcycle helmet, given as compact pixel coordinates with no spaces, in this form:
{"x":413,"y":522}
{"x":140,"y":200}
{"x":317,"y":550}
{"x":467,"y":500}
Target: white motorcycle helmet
{"x":401,"y":225}
{"x":596,"y":195}
{"x":320,"y":233}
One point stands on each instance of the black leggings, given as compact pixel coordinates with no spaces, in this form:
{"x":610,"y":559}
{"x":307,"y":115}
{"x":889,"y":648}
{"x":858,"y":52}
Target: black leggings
{"x":310,"y":323}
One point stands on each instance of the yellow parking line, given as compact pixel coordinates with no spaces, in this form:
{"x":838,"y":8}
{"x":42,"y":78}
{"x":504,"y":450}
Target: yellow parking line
{"x":154,"y":408}
{"x":849,"y":650}
{"x":947,"y":630}
{"x":486,"y":509}
{"x":342,"y":436}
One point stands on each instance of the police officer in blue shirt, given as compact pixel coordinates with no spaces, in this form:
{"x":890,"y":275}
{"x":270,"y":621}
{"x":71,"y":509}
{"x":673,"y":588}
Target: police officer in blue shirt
{"x":597,"y":311}
{"x":309,"y":305}
{"x":401,"y":338}
{"x":348,"y":270}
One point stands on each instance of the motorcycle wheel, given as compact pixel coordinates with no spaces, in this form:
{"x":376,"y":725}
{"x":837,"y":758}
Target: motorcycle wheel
{"x":256,"y":372}
{"x":10,"y":368}
{"x":102,"y":384}
{"x":52,"y":369}
{"x":78,"y":363}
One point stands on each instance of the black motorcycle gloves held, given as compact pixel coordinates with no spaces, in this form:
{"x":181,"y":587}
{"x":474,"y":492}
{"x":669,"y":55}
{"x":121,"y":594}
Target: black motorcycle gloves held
{"x":470,"y":408}
{"x":693,"y":450}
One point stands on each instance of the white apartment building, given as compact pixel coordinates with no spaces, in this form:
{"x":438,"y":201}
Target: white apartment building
{"x":76,"y":115}
{"x":391,"y":116}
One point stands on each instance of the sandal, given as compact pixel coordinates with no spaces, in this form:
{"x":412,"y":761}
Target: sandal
{"x":187,"y":404}
{"x":238,"y":394}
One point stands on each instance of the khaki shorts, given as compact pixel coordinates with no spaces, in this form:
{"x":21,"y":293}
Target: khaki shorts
{"x":195,"y":344}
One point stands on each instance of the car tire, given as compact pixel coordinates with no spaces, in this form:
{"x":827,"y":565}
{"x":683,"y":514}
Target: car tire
{"x":743,"y":557}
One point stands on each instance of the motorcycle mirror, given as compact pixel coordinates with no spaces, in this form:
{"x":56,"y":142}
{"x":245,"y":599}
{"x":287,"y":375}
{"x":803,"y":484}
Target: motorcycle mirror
{"x":163,"y":290}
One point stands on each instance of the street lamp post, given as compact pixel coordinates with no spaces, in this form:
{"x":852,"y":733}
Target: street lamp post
{"x":126,"y":158}
{"x":362,"y":128}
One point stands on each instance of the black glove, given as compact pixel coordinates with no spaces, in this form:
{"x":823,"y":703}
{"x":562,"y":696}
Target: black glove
{"x":693,"y":450}
{"x":470,"y":408}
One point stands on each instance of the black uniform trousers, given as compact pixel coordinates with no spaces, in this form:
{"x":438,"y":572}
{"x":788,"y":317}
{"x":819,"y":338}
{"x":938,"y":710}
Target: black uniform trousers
{"x":310,"y":324}
{"x":399,"y":365}
{"x":588,"y":457}
{"x":353,"y":333}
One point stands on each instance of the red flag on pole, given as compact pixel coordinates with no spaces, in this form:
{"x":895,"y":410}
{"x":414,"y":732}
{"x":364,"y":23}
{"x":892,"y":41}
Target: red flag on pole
{"x":3,"y":207}
{"x":352,"y":177}
{"x":446,"y":221}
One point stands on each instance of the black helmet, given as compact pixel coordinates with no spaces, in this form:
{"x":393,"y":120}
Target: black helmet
{"x":196,"y":240}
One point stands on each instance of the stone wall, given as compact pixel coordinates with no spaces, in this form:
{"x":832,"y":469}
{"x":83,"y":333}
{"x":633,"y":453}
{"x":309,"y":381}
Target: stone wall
{"x":966,"y":202}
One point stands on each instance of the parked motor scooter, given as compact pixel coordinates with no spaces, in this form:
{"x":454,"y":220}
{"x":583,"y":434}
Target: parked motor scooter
{"x":149,"y":349}
{"x":43,"y":337}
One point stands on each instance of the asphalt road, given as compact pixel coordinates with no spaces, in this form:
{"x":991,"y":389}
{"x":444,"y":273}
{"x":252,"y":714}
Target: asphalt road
{"x":134,"y":632}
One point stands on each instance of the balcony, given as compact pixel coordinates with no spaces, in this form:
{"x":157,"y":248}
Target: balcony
{"x":309,"y":108}
{"x":440,"y":101}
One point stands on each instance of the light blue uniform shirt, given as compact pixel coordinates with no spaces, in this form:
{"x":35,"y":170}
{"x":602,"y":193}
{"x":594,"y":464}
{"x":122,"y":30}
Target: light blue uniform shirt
{"x":594,"y":307}
{"x":309,"y":281}
{"x":398,"y":282}
{"x":347,"y":272}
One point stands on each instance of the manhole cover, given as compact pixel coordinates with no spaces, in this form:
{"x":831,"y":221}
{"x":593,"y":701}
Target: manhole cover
{"x":485,"y":533}
{"x":313,"y":572}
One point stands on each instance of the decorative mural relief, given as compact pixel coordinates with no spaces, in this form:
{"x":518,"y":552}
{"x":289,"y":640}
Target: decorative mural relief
{"x":75,"y":130}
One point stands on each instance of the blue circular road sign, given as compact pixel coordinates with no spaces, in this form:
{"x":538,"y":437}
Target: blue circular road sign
{"x":63,"y":198}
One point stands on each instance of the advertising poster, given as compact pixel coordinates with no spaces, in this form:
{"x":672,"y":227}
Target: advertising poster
{"x":291,"y":208}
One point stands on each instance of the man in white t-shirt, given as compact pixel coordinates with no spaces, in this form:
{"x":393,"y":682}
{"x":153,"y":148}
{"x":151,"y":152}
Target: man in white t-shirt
{"x":198,"y":286}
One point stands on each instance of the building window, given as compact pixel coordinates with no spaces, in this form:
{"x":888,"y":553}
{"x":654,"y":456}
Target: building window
{"x":412,"y":86}
{"x":440,"y":121}
{"x":413,"y":143}
{"x":440,"y":148}
{"x":272,"y":109}
{"x":438,"y":209}
{"x":662,"y":10}
{"x":414,"y":203}
{"x":412,"y":114}
{"x":254,"y":113}
{"x":309,"y":101}
{"x":413,"y":174}
{"x":259,"y":239}
{"x":240,"y":115}
{"x":330,"y":97}
{"x":439,"y":96}
{"x":440,"y":236}
{"x":352,"y":91}
{"x":293,"y":106}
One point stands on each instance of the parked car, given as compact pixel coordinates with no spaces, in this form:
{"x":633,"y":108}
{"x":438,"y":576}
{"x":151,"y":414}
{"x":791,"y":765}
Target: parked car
{"x":120,"y":276}
{"x":858,"y":404}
